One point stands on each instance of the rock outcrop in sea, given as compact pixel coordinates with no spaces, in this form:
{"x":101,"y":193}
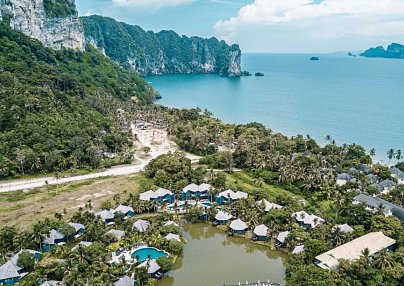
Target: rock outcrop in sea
{"x":394,"y":51}
{"x":165,"y":52}
{"x":55,"y":23}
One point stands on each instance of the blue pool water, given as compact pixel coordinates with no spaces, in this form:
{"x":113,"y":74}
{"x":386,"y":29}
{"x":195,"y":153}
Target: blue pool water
{"x":355,"y":100}
{"x":148,"y":252}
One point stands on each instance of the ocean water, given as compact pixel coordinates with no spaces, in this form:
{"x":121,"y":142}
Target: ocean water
{"x":355,"y":100}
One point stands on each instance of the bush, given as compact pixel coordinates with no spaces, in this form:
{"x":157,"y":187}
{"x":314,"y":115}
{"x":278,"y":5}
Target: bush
{"x":26,"y":261}
{"x":166,"y":263}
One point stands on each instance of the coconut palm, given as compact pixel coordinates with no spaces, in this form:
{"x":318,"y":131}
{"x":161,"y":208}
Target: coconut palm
{"x":383,"y":260}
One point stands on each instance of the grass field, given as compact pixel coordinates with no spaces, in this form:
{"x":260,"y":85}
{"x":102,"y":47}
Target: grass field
{"x":25,"y":208}
{"x":243,"y":181}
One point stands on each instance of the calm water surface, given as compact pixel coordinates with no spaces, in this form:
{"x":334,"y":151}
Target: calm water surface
{"x":211,"y":258}
{"x":355,"y":100}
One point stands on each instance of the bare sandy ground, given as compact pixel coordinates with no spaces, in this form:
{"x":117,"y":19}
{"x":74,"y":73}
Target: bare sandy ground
{"x":156,"y":139}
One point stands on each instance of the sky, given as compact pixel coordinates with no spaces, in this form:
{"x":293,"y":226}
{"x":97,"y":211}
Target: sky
{"x":274,"y":26}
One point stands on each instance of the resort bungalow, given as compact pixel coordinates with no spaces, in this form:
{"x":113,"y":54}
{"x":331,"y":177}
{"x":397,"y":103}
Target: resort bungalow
{"x":351,"y":251}
{"x":141,"y":225}
{"x":106,"y":216}
{"x":193,"y":192}
{"x":125,"y":281}
{"x":148,"y":196}
{"x":307,"y":220}
{"x":117,"y":234}
{"x":268,"y":205}
{"x":52,"y":283}
{"x":164,"y":195}
{"x":373,"y":204}
{"x":229,"y":196}
{"x":127,"y":211}
{"x":78,"y":229}
{"x":260,"y":233}
{"x":237,"y":227}
{"x":386,"y":186}
{"x":11,"y":273}
{"x":222,"y":218}
{"x":281,"y":238}
{"x":400,"y":179}
{"x":53,"y":239}
{"x":153,"y":268}
{"x":345,"y":228}
{"x":298,"y":249}
{"x":343,"y":178}
{"x":82,"y":244}
{"x":172,"y":236}
{"x":170,"y":222}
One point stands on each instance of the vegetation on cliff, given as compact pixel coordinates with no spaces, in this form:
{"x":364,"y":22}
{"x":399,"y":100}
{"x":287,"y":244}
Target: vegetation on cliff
{"x":60,"y":109}
{"x":393,"y":51}
{"x":163,"y":52}
{"x":59,"y":8}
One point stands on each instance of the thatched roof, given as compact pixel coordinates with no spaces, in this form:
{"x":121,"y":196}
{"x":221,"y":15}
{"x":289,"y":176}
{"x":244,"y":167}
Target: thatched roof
{"x":221,"y":215}
{"x":261,"y":230}
{"x":238,"y":224}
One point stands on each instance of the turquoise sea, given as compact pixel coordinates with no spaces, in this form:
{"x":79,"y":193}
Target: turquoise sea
{"x":353,"y":99}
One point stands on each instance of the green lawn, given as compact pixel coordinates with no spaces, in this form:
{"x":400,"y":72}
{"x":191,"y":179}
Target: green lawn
{"x":245,"y":182}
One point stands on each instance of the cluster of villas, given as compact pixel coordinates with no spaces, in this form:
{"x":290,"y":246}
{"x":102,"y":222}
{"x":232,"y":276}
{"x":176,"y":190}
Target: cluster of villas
{"x":382,"y":186}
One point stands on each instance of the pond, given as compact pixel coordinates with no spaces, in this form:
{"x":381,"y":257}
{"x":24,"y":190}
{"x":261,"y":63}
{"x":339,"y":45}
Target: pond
{"x":212,"y":258}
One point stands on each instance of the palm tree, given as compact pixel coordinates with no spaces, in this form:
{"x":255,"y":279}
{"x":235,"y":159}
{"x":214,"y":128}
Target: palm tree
{"x":390,"y":154}
{"x":372,"y":152}
{"x":399,"y":155}
{"x":328,"y":138}
{"x":383,"y":260}
{"x":367,"y":260}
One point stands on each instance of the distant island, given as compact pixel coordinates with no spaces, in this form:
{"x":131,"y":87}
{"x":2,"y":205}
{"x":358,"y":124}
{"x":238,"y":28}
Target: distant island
{"x":314,"y":59}
{"x":259,"y":74}
{"x":394,"y":51}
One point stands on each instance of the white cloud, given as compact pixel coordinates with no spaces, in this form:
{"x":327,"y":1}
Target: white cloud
{"x":153,"y":4}
{"x":325,"y":19}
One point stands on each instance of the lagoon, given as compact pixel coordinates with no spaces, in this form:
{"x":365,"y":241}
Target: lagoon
{"x":210,"y":257}
{"x":355,"y":100}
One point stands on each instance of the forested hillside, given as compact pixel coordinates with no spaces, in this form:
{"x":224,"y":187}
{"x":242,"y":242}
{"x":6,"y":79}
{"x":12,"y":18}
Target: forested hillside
{"x":60,"y":109}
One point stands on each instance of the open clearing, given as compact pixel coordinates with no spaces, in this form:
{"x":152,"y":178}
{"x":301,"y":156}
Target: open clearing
{"x":26,"y":207}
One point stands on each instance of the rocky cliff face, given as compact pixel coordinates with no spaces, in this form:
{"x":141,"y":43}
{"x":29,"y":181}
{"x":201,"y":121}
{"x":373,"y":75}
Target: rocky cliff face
{"x":158,"y":53}
{"x":53,"y":22}
{"x":394,"y":51}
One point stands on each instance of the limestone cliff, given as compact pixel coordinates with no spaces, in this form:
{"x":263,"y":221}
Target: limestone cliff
{"x":159,"y":53}
{"x":53,"y":22}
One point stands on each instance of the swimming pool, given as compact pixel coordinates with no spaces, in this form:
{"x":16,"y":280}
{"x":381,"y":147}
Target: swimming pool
{"x":145,"y":253}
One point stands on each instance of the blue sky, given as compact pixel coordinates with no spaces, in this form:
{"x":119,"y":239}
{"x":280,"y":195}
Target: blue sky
{"x":267,"y":25}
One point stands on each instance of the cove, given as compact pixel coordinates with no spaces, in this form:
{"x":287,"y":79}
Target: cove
{"x":212,"y":258}
{"x":355,"y":100}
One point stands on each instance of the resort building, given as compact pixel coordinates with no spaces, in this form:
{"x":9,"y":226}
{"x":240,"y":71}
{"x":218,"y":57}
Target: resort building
{"x":230,"y":196}
{"x":343,"y":178}
{"x":307,"y":220}
{"x":53,"y":239}
{"x":193,"y":192}
{"x":373,"y":203}
{"x":11,"y":273}
{"x":164,"y":196}
{"x":153,"y":268}
{"x":260,"y":233}
{"x":170,"y":222}
{"x":281,"y":238}
{"x":298,"y":249}
{"x":351,"y":251}
{"x":161,"y":196}
{"x":106,"y":216}
{"x":345,"y":228}
{"x":148,"y":196}
{"x":52,"y":283}
{"x":222,"y":217}
{"x":78,"y":229}
{"x":127,"y":211}
{"x":172,"y":236}
{"x":268,"y":205}
{"x":238,"y":227}
{"x":83,"y":244}
{"x":118,"y":234}
{"x":141,"y":225}
{"x":125,"y":281}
